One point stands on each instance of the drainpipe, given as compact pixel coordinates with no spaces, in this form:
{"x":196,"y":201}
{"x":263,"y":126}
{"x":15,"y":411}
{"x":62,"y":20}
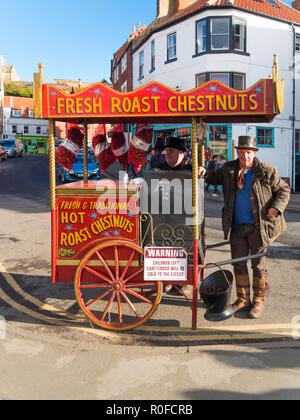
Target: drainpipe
{"x":294,"y":112}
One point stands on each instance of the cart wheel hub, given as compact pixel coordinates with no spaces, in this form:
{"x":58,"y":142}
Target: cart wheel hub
{"x":117,"y":286}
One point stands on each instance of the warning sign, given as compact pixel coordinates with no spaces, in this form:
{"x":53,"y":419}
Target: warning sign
{"x":165,"y":264}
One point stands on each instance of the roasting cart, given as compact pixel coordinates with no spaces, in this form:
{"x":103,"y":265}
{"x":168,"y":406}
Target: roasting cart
{"x":101,"y":236}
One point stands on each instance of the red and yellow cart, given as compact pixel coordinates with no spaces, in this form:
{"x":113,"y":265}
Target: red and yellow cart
{"x":97,"y":227}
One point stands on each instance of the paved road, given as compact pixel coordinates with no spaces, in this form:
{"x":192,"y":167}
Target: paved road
{"x":48,"y":350}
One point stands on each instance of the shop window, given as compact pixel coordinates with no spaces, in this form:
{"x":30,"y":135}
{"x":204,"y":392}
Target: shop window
{"x":265,"y":137}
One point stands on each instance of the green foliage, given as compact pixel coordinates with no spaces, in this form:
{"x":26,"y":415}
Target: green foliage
{"x":11,"y":89}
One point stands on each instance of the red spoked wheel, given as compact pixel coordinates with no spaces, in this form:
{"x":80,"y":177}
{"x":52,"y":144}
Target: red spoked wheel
{"x":110,"y":287}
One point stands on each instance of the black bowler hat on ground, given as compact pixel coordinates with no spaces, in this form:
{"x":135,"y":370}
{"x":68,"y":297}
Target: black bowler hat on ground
{"x":176,"y":143}
{"x":247,"y":142}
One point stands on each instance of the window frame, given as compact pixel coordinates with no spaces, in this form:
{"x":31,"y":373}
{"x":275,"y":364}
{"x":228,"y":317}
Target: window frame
{"x":268,"y":146}
{"x":26,"y":129}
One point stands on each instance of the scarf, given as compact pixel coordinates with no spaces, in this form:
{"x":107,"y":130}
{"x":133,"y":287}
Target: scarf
{"x":241,"y":176}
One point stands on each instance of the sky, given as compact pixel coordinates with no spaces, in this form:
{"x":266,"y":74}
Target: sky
{"x":72,"y":38}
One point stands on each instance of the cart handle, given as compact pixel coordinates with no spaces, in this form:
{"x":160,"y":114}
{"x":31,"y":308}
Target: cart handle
{"x":217,"y":245}
{"x":235,"y":261}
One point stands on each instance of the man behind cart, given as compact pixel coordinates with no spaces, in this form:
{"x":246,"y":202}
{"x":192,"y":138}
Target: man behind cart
{"x":255,"y":199}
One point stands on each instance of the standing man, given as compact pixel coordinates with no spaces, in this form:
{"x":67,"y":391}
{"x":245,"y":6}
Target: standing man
{"x":255,"y":199}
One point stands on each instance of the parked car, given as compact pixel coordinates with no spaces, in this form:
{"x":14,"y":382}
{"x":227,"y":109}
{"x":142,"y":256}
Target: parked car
{"x":13,"y":147}
{"x":76,"y":174}
{"x":3,"y":154}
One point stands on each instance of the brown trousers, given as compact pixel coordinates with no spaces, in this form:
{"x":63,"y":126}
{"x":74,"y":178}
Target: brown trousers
{"x":245,"y":240}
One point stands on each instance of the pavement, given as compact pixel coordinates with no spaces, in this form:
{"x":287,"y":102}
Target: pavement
{"x":294,"y":204}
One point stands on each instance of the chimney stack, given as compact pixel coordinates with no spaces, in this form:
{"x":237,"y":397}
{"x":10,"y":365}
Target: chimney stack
{"x":296,"y":5}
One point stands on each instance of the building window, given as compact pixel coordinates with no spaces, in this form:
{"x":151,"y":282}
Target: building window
{"x":201,"y":79}
{"x":220,"y":34}
{"x":31,"y":114}
{"x":297,"y":43}
{"x":265,"y":137}
{"x":16,"y":113}
{"x":152,"y":55}
{"x":172,"y":47}
{"x":239,"y":81}
{"x":26,"y":129}
{"x":201,"y":41}
{"x":221,"y":77}
{"x":235,"y":80}
{"x":124,"y":87}
{"x":38,"y":130}
{"x":14,"y":129}
{"x":116,"y":74}
{"x":239,"y":35}
{"x":124,"y":63}
{"x":141,"y":64}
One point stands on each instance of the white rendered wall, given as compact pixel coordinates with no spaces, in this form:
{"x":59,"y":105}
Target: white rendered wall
{"x":265,"y":37}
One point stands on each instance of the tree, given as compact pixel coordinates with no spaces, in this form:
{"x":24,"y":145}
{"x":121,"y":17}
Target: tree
{"x":11,"y":89}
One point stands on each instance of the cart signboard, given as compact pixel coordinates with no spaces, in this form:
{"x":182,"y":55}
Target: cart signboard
{"x":165,"y":264}
{"x":156,"y":101}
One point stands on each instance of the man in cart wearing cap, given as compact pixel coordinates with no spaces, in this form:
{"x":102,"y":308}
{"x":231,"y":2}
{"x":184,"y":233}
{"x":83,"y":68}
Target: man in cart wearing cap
{"x":176,"y":160}
{"x":255,"y":199}
{"x":175,"y":156}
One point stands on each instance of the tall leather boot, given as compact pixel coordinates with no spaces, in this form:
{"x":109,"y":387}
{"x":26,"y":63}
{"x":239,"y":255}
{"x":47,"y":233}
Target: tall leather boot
{"x":243,"y":302}
{"x":259,"y":288}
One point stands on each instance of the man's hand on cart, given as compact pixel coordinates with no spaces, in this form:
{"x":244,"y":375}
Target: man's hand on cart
{"x":202,"y":171}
